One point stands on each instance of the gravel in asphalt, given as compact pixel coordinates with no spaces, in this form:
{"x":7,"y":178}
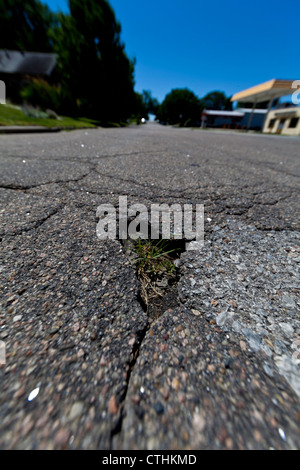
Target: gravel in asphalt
{"x":85,"y":367}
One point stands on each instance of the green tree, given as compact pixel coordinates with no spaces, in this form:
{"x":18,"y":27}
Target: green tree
{"x":180,"y":106}
{"x":93,"y":75}
{"x":93,"y":64}
{"x":25,"y":25}
{"x":217,"y":100}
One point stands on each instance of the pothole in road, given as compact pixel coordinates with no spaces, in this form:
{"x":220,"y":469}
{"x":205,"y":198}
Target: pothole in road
{"x":156,"y":263}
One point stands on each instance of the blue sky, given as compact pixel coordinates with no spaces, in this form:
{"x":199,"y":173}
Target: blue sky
{"x":207,"y":45}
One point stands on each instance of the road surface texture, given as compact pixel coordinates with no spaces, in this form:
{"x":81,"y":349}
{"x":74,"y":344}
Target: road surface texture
{"x":85,"y":368}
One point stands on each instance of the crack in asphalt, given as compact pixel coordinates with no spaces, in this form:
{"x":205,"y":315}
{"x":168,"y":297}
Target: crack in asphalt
{"x":223,"y":205}
{"x":117,"y":430}
{"x":81,"y":158}
{"x":34,"y":224}
{"x":19,"y":187}
{"x":135,"y":353}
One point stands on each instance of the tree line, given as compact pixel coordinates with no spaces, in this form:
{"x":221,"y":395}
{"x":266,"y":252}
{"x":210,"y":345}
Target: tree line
{"x":184,"y":107}
{"x":93,"y":76}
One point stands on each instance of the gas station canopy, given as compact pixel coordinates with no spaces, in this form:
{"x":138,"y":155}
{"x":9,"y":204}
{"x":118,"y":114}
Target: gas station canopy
{"x":265,"y":91}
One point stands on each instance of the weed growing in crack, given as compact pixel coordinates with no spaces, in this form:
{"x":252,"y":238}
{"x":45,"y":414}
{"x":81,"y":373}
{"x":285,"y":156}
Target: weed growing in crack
{"x":153,"y":257}
{"x":156,"y":270}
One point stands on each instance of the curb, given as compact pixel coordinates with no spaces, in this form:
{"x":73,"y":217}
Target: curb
{"x":27,"y":129}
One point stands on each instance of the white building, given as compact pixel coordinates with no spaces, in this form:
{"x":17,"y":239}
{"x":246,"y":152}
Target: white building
{"x":276,"y":120}
{"x":284,"y":121}
{"x":218,"y":118}
{"x":237,"y":119}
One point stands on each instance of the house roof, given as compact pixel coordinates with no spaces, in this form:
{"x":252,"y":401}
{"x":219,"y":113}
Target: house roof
{"x":249,"y":110}
{"x":32,"y":63}
{"x":217,"y":112}
{"x":265,"y":91}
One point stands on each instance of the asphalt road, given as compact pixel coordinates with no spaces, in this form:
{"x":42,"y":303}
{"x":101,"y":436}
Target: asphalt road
{"x":84,"y":366}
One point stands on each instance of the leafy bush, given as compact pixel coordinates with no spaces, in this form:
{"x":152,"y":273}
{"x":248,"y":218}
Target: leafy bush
{"x":40,"y":93}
